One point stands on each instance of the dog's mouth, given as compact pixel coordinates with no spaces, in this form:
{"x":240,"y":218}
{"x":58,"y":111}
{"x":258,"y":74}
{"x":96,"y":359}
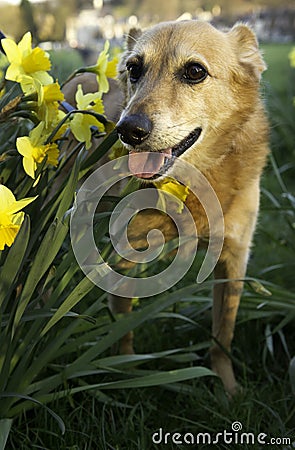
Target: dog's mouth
{"x":152,"y":165}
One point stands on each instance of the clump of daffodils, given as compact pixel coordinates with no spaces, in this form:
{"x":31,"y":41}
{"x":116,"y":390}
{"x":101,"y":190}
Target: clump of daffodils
{"x":39,"y":101}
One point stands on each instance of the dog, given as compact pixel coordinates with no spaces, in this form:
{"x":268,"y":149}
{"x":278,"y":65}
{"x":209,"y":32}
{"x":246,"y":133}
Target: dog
{"x":192,"y":94}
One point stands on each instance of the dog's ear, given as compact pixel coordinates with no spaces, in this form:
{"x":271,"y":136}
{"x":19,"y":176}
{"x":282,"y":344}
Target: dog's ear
{"x":247,"y":49}
{"x":132,"y":37}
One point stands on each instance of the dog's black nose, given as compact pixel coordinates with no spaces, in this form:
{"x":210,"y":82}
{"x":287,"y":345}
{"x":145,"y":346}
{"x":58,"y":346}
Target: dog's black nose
{"x":134,"y":129}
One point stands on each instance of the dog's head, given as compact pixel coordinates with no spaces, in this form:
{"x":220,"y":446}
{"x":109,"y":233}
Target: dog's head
{"x":189,"y":89}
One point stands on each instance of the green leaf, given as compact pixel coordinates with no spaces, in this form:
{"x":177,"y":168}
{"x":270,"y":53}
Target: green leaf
{"x":160,"y":378}
{"x":258,"y":287}
{"x":68,"y":192}
{"x":155,"y":379}
{"x":48,"y":249}
{"x":14,"y":259}
{"x":5,"y":427}
{"x":31,"y":399}
{"x":292,"y":374}
{"x":75,"y":296}
{"x":130,"y":322}
{"x":99,"y":152}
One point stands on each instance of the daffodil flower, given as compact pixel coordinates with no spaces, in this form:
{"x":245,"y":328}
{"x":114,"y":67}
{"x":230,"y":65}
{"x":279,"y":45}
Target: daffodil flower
{"x":117,"y":150}
{"x":33,"y":150}
{"x":104,"y":69}
{"x":10,"y":216}
{"x":27,"y":66}
{"x":173,"y":187}
{"x":48,"y":109}
{"x":81,"y":123}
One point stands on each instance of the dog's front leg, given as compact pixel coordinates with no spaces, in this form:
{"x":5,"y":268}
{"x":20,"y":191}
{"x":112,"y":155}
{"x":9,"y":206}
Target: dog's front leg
{"x":226,"y":299}
{"x":122,"y":305}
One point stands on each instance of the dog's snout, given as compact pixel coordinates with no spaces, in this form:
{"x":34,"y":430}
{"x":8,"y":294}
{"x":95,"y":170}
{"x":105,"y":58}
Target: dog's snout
{"x":134,"y":129}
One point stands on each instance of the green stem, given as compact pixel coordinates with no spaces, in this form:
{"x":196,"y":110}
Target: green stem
{"x":102,"y":119}
{"x":70,"y":78}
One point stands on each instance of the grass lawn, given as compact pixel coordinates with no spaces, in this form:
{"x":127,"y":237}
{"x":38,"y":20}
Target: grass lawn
{"x":126,"y":419}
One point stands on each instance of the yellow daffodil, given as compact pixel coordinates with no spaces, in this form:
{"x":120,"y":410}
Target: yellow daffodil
{"x":48,"y":109}
{"x":179,"y":192}
{"x":104,"y":69}
{"x":10,"y":216}
{"x":81,"y":123}
{"x":27,"y":66}
{"x":117,"y":150}
{"x":33,"y":150}
{"x":292,"y":57}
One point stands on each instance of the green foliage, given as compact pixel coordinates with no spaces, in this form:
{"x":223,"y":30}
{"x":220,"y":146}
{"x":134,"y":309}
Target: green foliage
{"x":64,"y":63}
{"x":56,"y":330}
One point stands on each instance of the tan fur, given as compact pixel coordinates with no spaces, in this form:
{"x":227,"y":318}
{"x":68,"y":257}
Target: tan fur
{"x":231,"y":150}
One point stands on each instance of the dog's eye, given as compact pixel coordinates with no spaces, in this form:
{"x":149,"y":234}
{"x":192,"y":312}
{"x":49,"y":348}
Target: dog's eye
{"x":135,"y":71}
{"x":195,"y":73}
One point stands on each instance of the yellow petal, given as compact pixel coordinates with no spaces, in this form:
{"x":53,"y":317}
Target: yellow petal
{"x":79,"y":96}
{"x":8,"y":235}
{"x":6,"y":198}
{"x":81,"y":129}
{"x":30,"y":167}
{"x":103,"y":84}
{"x":179,"y":191}
{"x":173,"y":187}
{"x":52,"y":93}
{"x":10,"y":217}
{"x":14,"y":72}
{"x":98,"y":107}
{"x":103,"y":57}
{"x":36,"y":61}
{"x":88,"y":99}
{"x":111,"y":71}
{"x":24,"y":146}
{"x":12,"y":51}
{"x":28,"y":84}
{"x":18,"y":205}
{"x":43,"y":77}
{"x":52,"y":153}
{"x":25,"y":44}
{"x":36,"y":134}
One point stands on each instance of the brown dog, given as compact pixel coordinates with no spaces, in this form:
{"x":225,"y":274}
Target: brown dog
{"x":192,"y":94}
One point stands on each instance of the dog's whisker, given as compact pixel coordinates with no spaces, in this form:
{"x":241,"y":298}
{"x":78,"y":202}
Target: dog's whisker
{"x":193,"y":119}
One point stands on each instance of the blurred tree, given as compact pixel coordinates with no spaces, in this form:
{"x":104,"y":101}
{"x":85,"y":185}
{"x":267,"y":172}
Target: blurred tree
{"x":28,"y":18}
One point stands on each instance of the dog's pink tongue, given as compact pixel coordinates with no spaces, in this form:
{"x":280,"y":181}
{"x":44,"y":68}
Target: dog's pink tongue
{"x":147,"y":164}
